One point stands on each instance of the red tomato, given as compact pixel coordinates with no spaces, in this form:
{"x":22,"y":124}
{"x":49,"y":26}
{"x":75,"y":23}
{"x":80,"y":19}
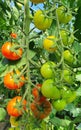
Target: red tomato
{"x":11,"y":55}
{"x":41,"y":109}
{"x":15,"y":106}
{"x":9,"y":80}
{"x":13,"y":35}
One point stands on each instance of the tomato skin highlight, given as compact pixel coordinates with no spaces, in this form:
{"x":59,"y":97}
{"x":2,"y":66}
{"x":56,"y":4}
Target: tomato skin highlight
{"x":10,"y":83}
{"x":41,"y":109}
{"x":6,"y":52}
{"x":41,"y":22}
{"x":11,"y":106}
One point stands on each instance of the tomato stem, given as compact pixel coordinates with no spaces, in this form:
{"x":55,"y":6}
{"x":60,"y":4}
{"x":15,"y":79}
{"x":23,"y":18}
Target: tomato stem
{"x":26,"y":25}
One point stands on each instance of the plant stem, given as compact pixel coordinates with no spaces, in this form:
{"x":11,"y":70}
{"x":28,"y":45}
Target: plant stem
{"x":27,"y":93}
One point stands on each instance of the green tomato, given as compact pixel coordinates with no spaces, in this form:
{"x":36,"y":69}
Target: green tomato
{"x":69,"y":95}
{"x":67,"y":38}
{"x":50,"y":90}
{"x":47,"y":69}
{"x":41,"y":21}
{"x":66,"y":94}
{"x":64,"y":16}
{"x":72,"y":97}
{"x":63,"y":89}
{"x":59,"y":104}
{"x":3,"y":114}
{"x":67,"y":76}
{"x":68,"y":57}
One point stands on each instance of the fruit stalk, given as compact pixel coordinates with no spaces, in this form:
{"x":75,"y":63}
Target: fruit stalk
{"x":26,"y":25}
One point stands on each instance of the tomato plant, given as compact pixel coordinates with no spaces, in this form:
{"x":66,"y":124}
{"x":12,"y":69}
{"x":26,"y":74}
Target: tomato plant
{"x":9,"y":54}
{"x":14,"y":105}
{"x":40,"y":64}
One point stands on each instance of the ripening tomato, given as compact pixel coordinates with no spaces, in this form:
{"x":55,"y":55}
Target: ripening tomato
{"x":59,"y":104}
{"x":36,"y":92}
{"x":50,"y":90}
{"x":67,"y":37}
{"x":47,"y":69}
{"x":11,"y":55}
{"x":16,"y":106}
{"x":49,"y":43}
{"x":41,"y":21}
{"x":13,"y":35}
{"x":68,"y":57}
{"x":12,"y":80}
{"x":37,"y":1}
{"x":64,"y":15}
{"x":41,"y":109}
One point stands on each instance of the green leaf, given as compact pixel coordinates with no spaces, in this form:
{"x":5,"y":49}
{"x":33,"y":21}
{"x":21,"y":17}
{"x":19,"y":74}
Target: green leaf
{"x":78,"y":127}
{"x":59,"y":122}
{"x":77,"y":25}
{"x":78,"y":92}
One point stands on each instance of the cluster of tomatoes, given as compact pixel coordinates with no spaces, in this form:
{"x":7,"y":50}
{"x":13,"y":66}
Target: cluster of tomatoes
{"x":57,"y":86}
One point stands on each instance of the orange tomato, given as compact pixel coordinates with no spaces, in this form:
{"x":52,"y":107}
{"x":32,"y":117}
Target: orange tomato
{"x":15,"y":106}
{"x":11,"y":55}
{"x":13,"y":35}
{"x":9,"y":80}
